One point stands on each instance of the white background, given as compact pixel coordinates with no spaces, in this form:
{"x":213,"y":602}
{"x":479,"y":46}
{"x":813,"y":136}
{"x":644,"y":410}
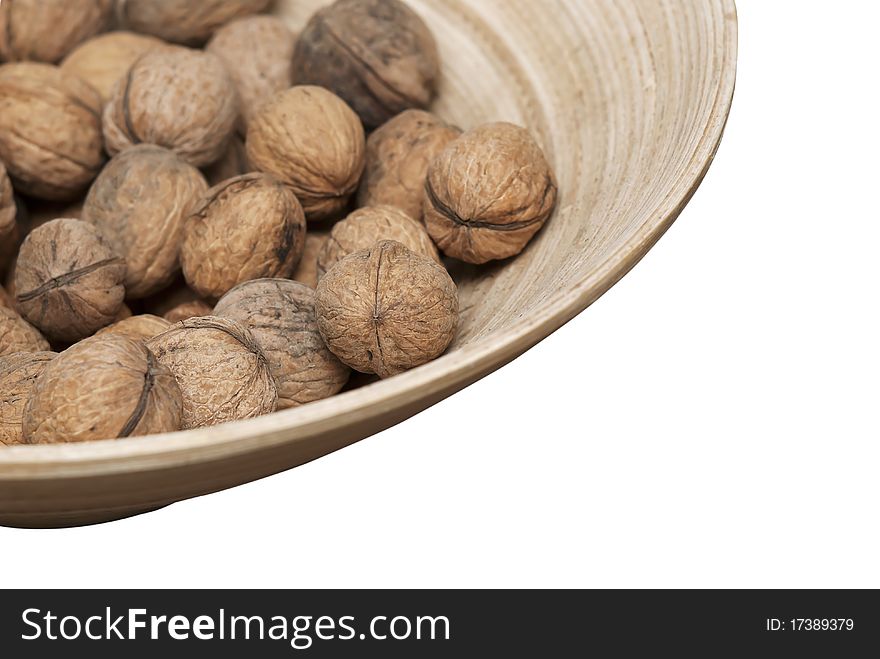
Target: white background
{"x":711,"y":421}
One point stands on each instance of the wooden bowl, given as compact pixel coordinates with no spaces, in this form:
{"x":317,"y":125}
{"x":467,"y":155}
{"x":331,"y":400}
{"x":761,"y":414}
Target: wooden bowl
{"x":628,"y":97}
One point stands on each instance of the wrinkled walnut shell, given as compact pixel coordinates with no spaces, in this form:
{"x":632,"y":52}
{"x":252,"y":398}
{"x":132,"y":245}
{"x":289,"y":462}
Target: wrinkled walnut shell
{"x":398,"y":156}
{"x":105,"y":59}
{"x":220,"y":368}
{"x":187,"y":310}
{"x":105,"y":387}
{"x":377,"y":55}
{"x":307,"y":270}
{"x":488,"y":194}
{"x":50,"y":130}
{"x":8,"y":212}
{"x":311,"y":140}
{"x":387,"y":309}
{"x":281,"y":315}
{"x":366,"y":226}
{"x":139,"y":203}
{"x":175,"y":97}
{"x":45,"y":31}
{"x":140,"y":328}
{"x":68,"y":280}
{"x":245,"y":228}
{"x":17,"y":335}
{"x":234,"y":162}
{"x":258,"y":52}
{"x":18,"y":374}
{"x":189,"y":22}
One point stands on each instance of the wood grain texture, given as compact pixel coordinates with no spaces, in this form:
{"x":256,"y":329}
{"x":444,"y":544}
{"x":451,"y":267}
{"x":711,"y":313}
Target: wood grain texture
{"x":629,"y":99}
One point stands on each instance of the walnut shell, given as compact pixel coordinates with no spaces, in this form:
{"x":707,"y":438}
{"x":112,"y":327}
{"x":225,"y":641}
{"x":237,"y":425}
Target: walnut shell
{"x":18,"y":374}
{"x":184,"y":21}
{"x":281,"y":315}
{"x":140,"y":328}
{"x":175,"y":97}
{"x":50,"y":130}
{"x":377,"y":55}
{"x":43,"y":31}
{"x":307,"y":270}
{"x":221,"y":370}
{"x":248,"y":227}
{"x":187,"y":310}
{"x":8,"y":212}
{"x":398,"y":156}
{"x":105,"y":59}
{"x":68,"y":280}
{"x":234,"y":162}
{"x":488,"y":193}
{"x":17,"y":335}
{"x":387,"y":309}
{"x":311,"y":140}
{"x":258,"y":52}
{"x":6,"y":299}
{"x":139,"y":203}
{"x":366,"y":226}
{"x":105,"y":387}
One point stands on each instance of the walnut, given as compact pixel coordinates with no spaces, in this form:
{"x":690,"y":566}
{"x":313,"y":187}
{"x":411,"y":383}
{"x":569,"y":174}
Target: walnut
{"x":123,"y":313}
{"x":398,"y":156}
{"x":366,"y":226}
{"x":258,"y":51}
{"x":139,"y":203}
{"x":234,"y":162}
{"x":311,"y":140}
{"x":18,"y":374}
{"x":488,"y":194}
{"x":221,"y":370}
{"x":378,"y":55}
{"x":17,"y":335}
{"x":105,"y":387}
{"x":6,"y":299}
{"x":184,"y":21}
{"x":187,"y":310}
{"x":50,"y":130}
{"x":45,"y":31}
{"x":281,"y":315}
{"x":8,"y":213}
{"x":387,"y":309}
{"x":175,"y":97}
{"x":307,"y":270}
{"x":68,"y":280}
{"x":103,"y":60}
{"x":140,"y":328}
{"x":248,"y":227}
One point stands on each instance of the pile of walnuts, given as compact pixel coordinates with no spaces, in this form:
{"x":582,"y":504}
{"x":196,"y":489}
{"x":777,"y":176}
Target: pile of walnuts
{"x":205,"y":217}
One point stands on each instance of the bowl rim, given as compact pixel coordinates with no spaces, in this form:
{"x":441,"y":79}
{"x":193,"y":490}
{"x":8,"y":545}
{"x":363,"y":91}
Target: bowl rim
{"x":435,"y":380}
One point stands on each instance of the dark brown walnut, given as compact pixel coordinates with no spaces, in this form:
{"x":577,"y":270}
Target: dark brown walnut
{"x":18,"y":374}
{"x":69,"y":280}
{"x":245,"y":228}
{"x":6,"y":299}
{"x":139,"y":202}
{"x":281,"y":315}
{"x":17,"y":335}
{"x":187,"y":310}
{"x":8,"y":212}
{"x":258,"y":51}
{"x":46,"y":30}
{"x":50,"y":130}
{"x":366,"y":226}
{"x":140,"y":328}
{"x":174,"y":97}
{"x":105,"y":387}
{"x":387,"y":309}
{"x":105,"y":59}
{"x":398,"y":156}
{"x":311,"y":140}
{"x":488,"y":194}
{"x":378,"y":55}
{"x":307,"y":270}
{"x":220,"y":368}
{"x":234,"y":162}
{"x":184,"y":21}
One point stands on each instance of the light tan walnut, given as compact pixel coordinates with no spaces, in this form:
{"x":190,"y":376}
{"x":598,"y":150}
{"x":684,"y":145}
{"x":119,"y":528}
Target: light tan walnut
{"x":18,"y":374}
{"x":488,"y":194}
{"x":245,"y":228}
{"x":142,"y":327}
{"x":46,"y":30}
{"x":311,"y":140}
{"x":220,"y":368}
{"x":6,"y":299}
{"x":139,"y":202}
{"x":187,"y":310}
{"x":69,"y":280}
{"x":366,"y":226}
{"x":387,"y":309}
{"x":189,"y":22}
{"x":307,"y":270}
{"x":17,"y":335}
